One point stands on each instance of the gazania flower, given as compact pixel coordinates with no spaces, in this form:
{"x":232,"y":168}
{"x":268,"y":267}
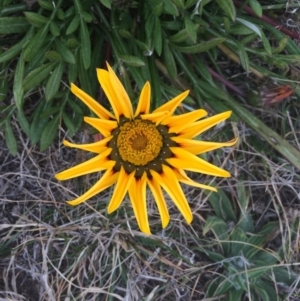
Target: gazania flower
{"x":141,"y":149}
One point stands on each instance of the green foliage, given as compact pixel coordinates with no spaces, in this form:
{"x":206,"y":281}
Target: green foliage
{"x":47,"y":46}
{"x":248,"y":267}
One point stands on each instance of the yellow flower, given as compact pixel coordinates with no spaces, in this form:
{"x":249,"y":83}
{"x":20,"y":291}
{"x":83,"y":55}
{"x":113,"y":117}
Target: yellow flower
{"x":142,"y":149}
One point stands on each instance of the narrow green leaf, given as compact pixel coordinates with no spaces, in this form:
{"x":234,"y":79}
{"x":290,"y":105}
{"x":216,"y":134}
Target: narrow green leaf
{"x":132,"y":60}
{"x":217,"y":225}
{"x":255,"y":5}
{"x":157,"y":39}
{"x":238,"y":239}
{"x":38,"y":124}
{"x":23,"y":122}
{"x":202,"y":47}
{"x":46,"y":4}
{"x":18,"y":83}
{"x":170,"y":8}
{"x":85,"y":45}
{"x":106,"y":3}
{"x":169,"y":60}
{"x":3,"y":88}
{"x":54,"y":29}
{"x":190,"y":28}
{"x":36,"y":43}
{"x":10,"y":25}
{"x":73,"y":25}
{"x":69,"y":124}
{"x":53,"y":56}
{"x":72,"y":73}
{"x":234,"y":295}
{"x":182,"y":35}
{"x":16,"y":49}
{"x":179,"y":3}
{"x":228,"y":7}
{"x":87,"y":17}
{"x":10,"y":138}
{"x":49,"y":133}
{"x":35,"y":19}
{"x":243,"y":56}
{"x":53,"y":83}
{"x":221,"y":205}
{"x":36,"y":76}
{"x":65,"y":52}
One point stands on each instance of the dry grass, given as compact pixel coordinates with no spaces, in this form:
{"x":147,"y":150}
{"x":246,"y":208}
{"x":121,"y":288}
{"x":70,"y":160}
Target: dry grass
{"x":52,"y":251}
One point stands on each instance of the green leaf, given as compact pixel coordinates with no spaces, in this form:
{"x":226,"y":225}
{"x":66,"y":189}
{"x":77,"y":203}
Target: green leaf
{"x":38,"y":124}
{"x":265,"y":291}
{"x":3,"y":88}
{"x":35,"y":19}
{"x":221,"y":205}
{"x":54,"y":29}
{"x":235,"y":295}
{"x":286,"y":276}
{"x":243,"y":56}
{"x":238,"y":239}
{"x":53,"y":83}
{"x":190,"y":28}
{"x":73,"y":25}
{"x":228,"y":7}
{"x":217,"y":225}
{"x":53,"y":56}
{"x":36,"y":76}
{"x":10,"y":25}
{"x":10,"y":138}
{"x":49,"y":133}
{"x":14,"y":50}
{"x":69,"y":124}
{"x":65,"y":52}
{"x":72,"y":73}
{"x":46,"y":4}
{"x":169,"y":60}
{"x":87,"y":17}
{"x":179,"y":3}
{"x":106,"y":3}
{"x":182,"y":35}
{"x":255,"y":5}
{"x":85,"y":45}
{"x":23,"y":122}
{"x":202,"y":47}
{"x":170,"y":8}
{"x":157,"y":39}
{"x":36,"y":43}
{"x":18,"y":90}
{"x":132,"y":60}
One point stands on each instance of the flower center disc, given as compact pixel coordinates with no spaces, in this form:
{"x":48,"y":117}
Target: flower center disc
{"x":139,"y":142}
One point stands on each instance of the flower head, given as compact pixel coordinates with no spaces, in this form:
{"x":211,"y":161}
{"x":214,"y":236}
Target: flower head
{"x":143,"y":149}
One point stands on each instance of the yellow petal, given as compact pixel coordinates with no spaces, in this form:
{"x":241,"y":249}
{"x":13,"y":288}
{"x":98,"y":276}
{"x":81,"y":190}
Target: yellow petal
{"x":95,"y":164}
{"x":168,"y":180}
{"x":97,"y":147}
{"x":178,"y":122}
{"x":160,"y":202}
{"x":108,"y":179}
{"x":187,"y":161}
{"x":183,"y":178}
{"x":100,"y":111}
{"x":172,"y":104}
{"x":120,"y":190}
{"x":137,"y":194}
{"x":198,"y":147}
{"x":115,"y":93}
{"x":201,"y":126}
{"x":155,"y":117}
{"x":105,"y":127}
{"x":143,"y":106}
